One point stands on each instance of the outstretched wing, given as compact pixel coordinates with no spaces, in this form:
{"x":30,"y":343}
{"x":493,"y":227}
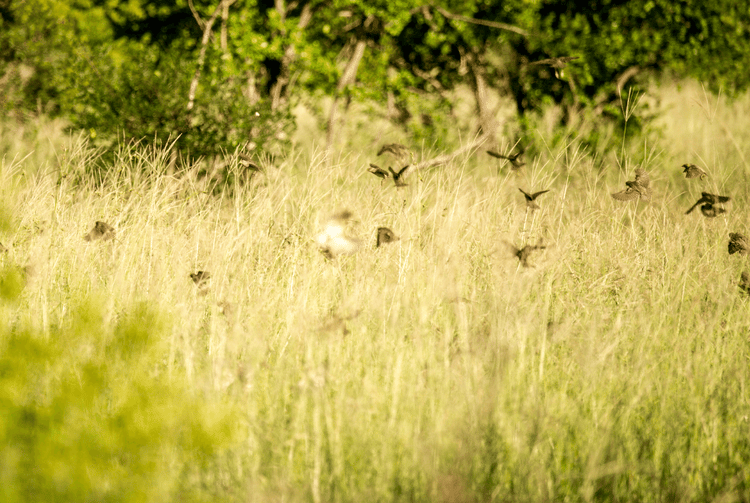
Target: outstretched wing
{"x":537,"y":194}
{"x":626,"y":195}
{"x":498,"y":156}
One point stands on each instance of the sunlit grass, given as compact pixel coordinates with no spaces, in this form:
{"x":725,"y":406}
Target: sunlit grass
{"x":434,"y":368}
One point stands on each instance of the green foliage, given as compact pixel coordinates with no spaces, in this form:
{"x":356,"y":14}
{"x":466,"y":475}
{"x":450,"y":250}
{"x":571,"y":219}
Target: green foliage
{"x":88,"y":413}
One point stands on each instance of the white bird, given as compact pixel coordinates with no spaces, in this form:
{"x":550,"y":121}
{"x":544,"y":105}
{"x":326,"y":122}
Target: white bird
{"x":335,"y":239}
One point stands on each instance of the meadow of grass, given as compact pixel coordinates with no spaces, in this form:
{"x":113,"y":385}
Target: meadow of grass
{"x":431,"y":369}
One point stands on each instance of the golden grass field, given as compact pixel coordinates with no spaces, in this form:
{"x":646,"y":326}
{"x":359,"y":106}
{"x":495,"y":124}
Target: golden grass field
{"x":434,"y":368}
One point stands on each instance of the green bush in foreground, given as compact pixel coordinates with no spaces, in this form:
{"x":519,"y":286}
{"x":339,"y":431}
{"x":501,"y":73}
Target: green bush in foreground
{"x":88,"y":416}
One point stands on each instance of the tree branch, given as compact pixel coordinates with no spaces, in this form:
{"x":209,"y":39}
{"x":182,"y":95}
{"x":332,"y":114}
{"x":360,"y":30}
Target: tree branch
{"x":202,"y":55}
{"x":446,"y":158}
{"x":491,"y":24}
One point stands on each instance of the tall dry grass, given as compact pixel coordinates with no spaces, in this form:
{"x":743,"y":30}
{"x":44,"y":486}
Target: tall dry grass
{"x":434,"y":368}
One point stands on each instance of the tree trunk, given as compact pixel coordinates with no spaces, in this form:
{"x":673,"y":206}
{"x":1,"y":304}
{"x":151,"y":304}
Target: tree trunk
{"x":347,"y":78}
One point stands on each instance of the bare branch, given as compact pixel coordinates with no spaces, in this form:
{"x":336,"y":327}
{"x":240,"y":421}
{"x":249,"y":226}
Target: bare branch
{"x":289,"y":54}
{"x":491,"y":24}
{"x":202,"y":55}
{"x":201,"y":22}
{"x":446,"y":158}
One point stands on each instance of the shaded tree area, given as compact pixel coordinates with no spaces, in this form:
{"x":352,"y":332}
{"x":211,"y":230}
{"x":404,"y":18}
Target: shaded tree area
{"x":227,"y":74}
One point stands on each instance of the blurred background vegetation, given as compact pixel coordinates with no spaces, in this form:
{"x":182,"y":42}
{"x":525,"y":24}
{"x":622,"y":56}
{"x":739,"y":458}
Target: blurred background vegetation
{"x":229,"y":74}
{"x":433,"y":370}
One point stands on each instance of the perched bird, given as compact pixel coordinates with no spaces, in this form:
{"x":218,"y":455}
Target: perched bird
{"x":385,"y":235}
{"x":693,"y":171}
{"x":709,"y":204}
{"x":395,"y":149}
{"x":530,"y":198}
{"x":637,"y":189}
{"x":523,"y":253}
{"x":513,"y":158}
{"x":335,"y":239}
{"x":101,"y":231}
{"x":557,"y":63}
{"x":738,"y":244}
{"x":378,"y":171}
{"x":744,"y":283}
{"x":397,"y":176}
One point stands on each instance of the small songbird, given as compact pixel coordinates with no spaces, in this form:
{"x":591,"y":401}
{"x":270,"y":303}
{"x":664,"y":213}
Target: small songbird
{"x":693,"y":171}
{"x":395,"y":149}
{"x":397,"y":176}
{"x":334,"y":239}
{"x":530,"y":198}
{"x":637,"y":189}
{"x":515,"y":162}
{"x":378,"y":171}
{"x":710,"y":204}
{"x":524,"y":253}
{"x":200,"y":278}
{"x":744,"y":283}
{"x":558,"y":64}
{"x":385,"y":235}
{"x":102,"y":231}
{"x":738,"y":244}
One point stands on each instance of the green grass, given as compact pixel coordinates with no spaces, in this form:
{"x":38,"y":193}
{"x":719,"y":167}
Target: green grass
{"x":616,"y":369}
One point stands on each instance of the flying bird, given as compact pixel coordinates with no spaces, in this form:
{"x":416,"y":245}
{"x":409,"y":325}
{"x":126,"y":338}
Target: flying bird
{"x":515,"y":162}
{"x":738,"y":244}
{"x":693,"y":171}
{"x":334,"y":239}
{"x":378,"y":171}
{"x":385,"y":235}
{"x":530,"y":198}
{"x":397,"y":176}
{"x":200,"y":278}
{"x":744,"y":283}
{"x":558,"y":64}
{"x":395,"y":149}
{"x":523,"y":253}
{"x":710,"y":204}
{"x":102,"y":231}
{"x":637,"y":189}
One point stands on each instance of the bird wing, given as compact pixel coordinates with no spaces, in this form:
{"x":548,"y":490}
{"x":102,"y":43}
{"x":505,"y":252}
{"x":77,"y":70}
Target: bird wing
{"x":537,"y":194}
{"x":626,"y":195}
{"x":528,"y":196}
{"x":642,"y":178}
{"x":495,"y":154}
{"x":398,"y":175}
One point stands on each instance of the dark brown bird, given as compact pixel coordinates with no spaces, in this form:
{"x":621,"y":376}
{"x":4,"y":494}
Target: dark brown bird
{"x":637,"y":189}
{"x":558,"y":63}
{"x":709,"y":202}
{"x":200,"y":278}
{"x":524,"y":253}
{"x":693,"y":171}
{"x":396,"y":149}
{"x":530,"y":198}
{"x":744,"y":283}
{"x":101,"y":231}
{"x":378,"y":171}
{"x":738,"y":244}
{"x":385,"y":235}
{"x":515,"y":162}
{"x":397,"y":176}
